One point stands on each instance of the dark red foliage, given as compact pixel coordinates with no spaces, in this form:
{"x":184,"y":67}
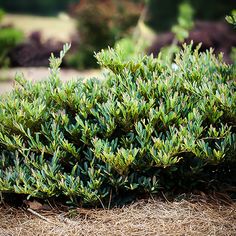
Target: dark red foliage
{"x":34,"y":52}
{"x":218,"y":35}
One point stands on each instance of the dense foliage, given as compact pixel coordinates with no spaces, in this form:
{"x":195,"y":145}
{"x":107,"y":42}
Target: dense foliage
{"x":147,"y":126}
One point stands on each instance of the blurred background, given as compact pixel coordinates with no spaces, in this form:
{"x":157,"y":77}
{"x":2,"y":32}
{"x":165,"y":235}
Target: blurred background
{"x":31,"y":30}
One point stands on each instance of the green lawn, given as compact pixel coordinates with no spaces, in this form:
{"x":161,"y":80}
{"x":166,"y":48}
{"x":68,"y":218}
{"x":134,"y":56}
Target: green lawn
{"x":61,"y":28}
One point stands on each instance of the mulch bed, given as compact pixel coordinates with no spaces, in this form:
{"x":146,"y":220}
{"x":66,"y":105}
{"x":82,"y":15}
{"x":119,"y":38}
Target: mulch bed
{"x":198,"y":215}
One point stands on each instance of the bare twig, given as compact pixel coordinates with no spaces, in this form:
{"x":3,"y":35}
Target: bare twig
{"x":40,"y":216}
{"x":109,"y":204}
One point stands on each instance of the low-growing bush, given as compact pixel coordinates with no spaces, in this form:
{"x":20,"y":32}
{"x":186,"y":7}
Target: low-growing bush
{"x":145,"y":128}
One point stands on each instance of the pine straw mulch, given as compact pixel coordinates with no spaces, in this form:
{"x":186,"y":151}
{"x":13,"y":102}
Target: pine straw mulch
{"x":199,"y":215}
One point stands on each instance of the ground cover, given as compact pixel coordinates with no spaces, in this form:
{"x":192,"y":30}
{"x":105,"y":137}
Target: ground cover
{"x":199,"y":215}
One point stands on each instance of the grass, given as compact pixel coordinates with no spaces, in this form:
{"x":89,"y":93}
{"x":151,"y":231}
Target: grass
{"x":60,"y":27}
{"x":199,"y":215}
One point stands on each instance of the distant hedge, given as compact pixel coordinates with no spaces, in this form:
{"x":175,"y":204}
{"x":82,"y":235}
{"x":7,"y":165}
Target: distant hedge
{"x":41,"y":7}
{"x":148,"y":127}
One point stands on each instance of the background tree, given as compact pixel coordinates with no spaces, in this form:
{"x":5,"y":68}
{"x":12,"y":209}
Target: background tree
{"x":41,"y":7}
{"x":162,"y":14}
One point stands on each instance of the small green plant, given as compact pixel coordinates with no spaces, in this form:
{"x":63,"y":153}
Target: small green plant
{"x":185,"y":22}
{"x":231,"y":19}
{"x":147,"y":127}
{"x":129,"y":48}
{"x":9,"y":38}
{"x":233,"y":55}
{"x":181,"y":32}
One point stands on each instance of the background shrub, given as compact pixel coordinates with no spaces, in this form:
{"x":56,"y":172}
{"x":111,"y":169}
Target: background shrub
{"x":168,"y":10}
{"x":147,"y":127}
{"x":100,"y":24}
{"x":9,"y":38}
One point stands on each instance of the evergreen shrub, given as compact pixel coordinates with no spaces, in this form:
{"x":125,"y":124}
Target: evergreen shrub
{"x":145,"y":128}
